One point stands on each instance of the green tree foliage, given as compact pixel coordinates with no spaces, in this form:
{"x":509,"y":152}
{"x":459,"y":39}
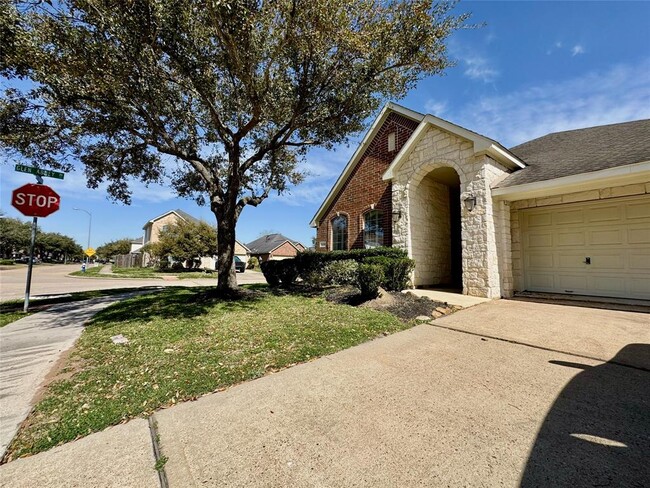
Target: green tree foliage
{"x":14,"y":236}
{"x":234,"y":90}
{"x":53,"y":246}
{"x":185,"y":242}
{"x":114,"y":248}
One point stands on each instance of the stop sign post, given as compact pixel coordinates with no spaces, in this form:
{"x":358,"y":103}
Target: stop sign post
{"x":34,"y":201}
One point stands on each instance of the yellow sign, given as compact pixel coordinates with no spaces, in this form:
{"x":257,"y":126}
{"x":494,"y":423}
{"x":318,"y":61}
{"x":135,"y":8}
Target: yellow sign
{"x":89,"y":252}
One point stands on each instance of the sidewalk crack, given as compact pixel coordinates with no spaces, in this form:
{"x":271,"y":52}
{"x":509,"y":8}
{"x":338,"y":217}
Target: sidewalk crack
{"x":160,"y":459}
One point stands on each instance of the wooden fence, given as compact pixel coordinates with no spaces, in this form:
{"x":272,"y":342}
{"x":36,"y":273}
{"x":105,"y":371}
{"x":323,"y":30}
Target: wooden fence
{"x":128,"y":260}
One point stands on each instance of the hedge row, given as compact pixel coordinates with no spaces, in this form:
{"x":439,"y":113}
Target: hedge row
{"x":390,"y":268}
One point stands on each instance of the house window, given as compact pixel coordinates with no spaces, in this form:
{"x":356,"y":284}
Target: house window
{"x":340,"y":233}
{"x":322,"y":244}
{"x":391,"y":142}
{"x":373,"y":229}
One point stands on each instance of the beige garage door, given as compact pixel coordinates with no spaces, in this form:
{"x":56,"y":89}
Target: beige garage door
{"x":599,"y":248}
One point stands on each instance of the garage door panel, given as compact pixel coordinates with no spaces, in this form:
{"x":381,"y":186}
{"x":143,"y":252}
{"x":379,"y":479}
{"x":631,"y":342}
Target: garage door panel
{"x":571,"y":260}
{"x":614,"y":234}
{"x":604,"y":214}
{"x":541,"y":281}
{"x":639,"y":260}
{"x":572,"y":283}
{"x":565,"y":217}
{"x":638,"y":235}
{"x":608,"y":261}
{"x":540,"y":240}
{"x":571,"y":238}
{"x":639,"y":287}
{"x":638,"y":210}
{"x":606,"y":237}
{"x":540,"y":260}
{"x":540,"y":220}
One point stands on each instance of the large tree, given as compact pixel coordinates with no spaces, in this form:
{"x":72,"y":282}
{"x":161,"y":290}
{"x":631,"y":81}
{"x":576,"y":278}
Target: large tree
{"x":185,"y":242}
{"x":114,"y":248}
{"x":234,"y":91}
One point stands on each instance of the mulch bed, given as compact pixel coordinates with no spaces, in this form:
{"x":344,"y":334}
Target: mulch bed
{"x":405,"y":306}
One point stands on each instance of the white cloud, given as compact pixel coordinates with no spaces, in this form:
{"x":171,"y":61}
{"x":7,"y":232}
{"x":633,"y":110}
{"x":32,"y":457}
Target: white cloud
{"x":479,"y":68}
{"x":558,"y":44}
{"x":618,"y":94}
{"x":435,"y":107}
{"x":577,"y":49}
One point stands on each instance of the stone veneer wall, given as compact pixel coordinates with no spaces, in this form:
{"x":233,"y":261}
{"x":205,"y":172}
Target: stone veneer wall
{"x":431,"y":232}
{"x":479,"y":231}
{"x":583,"y":196}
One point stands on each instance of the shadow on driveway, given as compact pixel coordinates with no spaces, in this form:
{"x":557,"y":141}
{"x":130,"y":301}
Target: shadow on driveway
{"x":597,"y":432}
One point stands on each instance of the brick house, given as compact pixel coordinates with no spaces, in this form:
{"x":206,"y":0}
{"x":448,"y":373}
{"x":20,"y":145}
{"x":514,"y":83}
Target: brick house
{"x":565,"y":213}
{"x":274,"y":247}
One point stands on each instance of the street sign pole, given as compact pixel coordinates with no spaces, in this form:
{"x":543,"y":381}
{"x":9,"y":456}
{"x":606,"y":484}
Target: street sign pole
{"x":28,"y":285}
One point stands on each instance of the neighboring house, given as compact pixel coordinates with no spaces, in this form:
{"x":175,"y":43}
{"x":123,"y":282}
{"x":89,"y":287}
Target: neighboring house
{"x":241,"y":251}
{"x":154,"y":226}
{"x":274,"y":246}
{"x":136,"y":244}
{"x":565,"y":213}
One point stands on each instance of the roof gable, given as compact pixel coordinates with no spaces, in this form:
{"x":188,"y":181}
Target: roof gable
{"x":482,"y":145}
{"x":358,"y":153}
{"x":179,"y":213}
{"x":268,"y":243}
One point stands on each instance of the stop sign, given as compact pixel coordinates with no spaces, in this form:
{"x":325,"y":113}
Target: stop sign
{"x":35,"y":200}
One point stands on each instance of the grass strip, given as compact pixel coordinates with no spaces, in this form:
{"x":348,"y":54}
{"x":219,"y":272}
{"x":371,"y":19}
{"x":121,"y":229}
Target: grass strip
{"x":183,"y":343}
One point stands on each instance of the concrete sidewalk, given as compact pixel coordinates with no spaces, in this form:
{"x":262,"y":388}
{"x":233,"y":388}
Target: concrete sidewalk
{"x":30,"y":347}
{"x":428,"y":406}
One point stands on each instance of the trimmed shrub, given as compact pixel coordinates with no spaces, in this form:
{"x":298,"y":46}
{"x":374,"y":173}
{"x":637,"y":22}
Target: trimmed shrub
{"x":340,"y":272}
{"x":310,"y":262}
{"x":271,"y":272}
{"x":287,"y":272}
{"x":253,"y":263}
{"x":396,"y":271}
{"x":369,"y":278}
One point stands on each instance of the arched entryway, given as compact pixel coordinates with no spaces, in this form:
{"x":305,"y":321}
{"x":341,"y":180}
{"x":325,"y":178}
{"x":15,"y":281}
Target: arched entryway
{"x":435,"y":221}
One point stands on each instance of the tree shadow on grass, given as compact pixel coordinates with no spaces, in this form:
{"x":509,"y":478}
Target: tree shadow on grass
{"x":175,"y":303}
{"x":597,"y":432}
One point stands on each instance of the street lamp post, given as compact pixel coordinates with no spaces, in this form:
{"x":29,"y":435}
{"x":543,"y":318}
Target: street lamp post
{"x":90,"y":221}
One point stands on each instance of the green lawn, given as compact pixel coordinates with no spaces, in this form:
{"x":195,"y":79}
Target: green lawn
{"x":89,"y":273}
{"x":182,"y":344}
{"x":11,"y":316}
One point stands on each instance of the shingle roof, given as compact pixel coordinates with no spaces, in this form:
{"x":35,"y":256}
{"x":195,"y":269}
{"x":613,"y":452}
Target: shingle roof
{"x":581,"y":151}
{"x":186,"y":216}
{"x":267,"y":243}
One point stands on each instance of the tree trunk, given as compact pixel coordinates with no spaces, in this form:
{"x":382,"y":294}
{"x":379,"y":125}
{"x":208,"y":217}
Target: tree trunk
{"x":226,"y":278}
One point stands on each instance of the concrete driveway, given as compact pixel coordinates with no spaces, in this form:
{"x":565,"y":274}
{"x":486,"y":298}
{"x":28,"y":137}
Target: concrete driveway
{"x":49,"y":280}
{"x":431,"y":406}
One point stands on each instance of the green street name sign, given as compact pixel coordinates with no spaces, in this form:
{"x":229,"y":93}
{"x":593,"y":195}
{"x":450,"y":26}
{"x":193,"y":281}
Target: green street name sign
{"x":40,"y":172}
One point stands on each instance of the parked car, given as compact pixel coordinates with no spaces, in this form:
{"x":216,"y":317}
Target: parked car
{"x":240,"y":266}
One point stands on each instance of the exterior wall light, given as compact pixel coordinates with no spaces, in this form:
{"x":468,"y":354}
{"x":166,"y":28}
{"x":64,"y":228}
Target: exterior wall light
{"x":470,"y":203}
{"x":397,"y":214}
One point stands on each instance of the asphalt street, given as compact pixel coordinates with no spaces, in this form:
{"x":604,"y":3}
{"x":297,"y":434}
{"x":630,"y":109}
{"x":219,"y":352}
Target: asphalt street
{"x":54,"y":280}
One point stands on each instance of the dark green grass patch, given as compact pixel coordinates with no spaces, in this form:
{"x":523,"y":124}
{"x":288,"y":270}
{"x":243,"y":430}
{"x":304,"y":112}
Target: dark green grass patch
{"x":184,"y":343}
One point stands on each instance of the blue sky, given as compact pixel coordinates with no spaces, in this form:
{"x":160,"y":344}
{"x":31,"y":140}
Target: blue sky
{"x":534,"y":68}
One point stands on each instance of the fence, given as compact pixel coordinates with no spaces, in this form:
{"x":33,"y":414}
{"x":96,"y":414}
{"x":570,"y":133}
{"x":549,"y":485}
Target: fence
{"x":128,"y":260}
